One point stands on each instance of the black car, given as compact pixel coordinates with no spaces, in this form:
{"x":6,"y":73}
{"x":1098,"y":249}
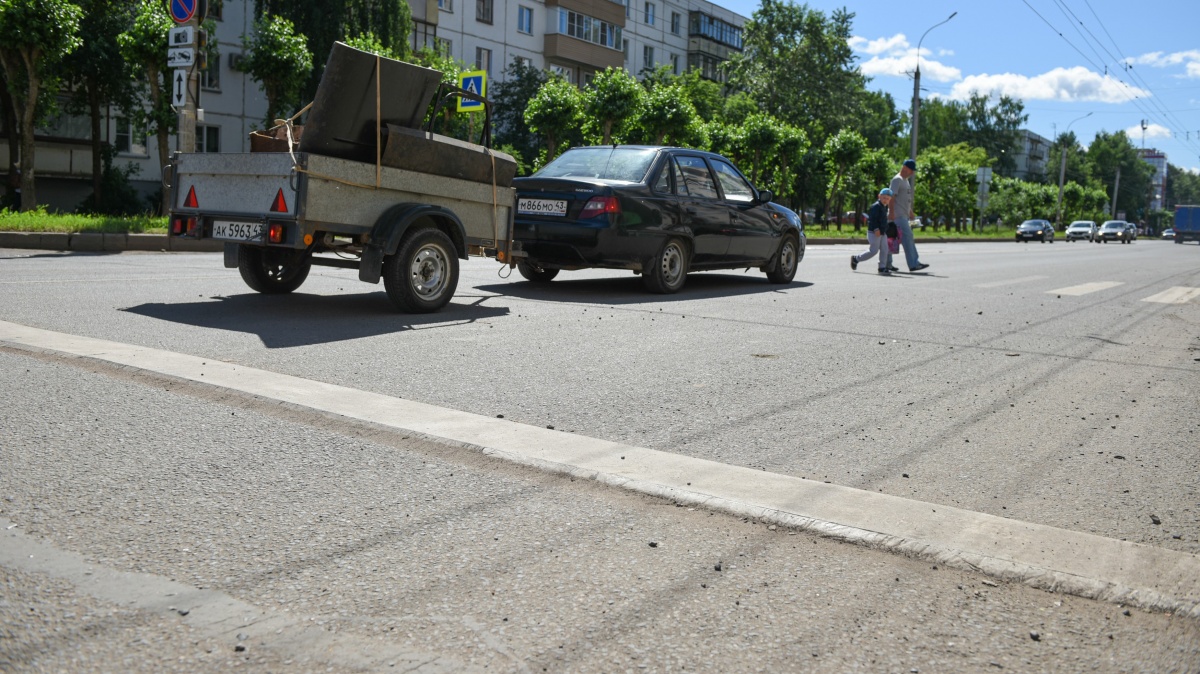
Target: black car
{"x":1113,"y":230}
{"x":659,"y":211}
{"x":1037,"y":230}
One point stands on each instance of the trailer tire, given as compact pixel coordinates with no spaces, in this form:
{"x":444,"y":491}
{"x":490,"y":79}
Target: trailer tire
{"x":273,"y":271}
{"x":423,"y":274}
{"x":533,"y":272}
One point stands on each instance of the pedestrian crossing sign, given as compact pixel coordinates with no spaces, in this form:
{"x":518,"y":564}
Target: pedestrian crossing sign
{"x":474,"y":81}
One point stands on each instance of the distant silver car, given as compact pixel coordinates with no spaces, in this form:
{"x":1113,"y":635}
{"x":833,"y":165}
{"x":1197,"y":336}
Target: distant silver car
{"x":1113,"y":230}
{"x":1168,"y":233}
{"x":1081,"y":229}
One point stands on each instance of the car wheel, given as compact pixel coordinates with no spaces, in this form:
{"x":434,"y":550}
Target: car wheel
{"x":534,"y":273}
{"x":786,"y":263}
{"x":273,"y":271}
{"x":667,"y":271}
{"x":423,"y":274}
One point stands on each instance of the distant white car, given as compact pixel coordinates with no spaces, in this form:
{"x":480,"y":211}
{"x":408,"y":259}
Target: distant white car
{"x":1082,"y":229}
{"x":1168,"y":233}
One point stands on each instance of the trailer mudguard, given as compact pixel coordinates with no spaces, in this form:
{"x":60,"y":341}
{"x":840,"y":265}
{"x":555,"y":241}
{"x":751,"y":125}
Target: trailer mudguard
{"x":389,"y":230}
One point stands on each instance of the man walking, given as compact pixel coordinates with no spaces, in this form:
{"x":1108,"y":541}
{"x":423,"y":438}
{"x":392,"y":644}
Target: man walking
{"x":902,"y":211}
{"x":877,"y":219}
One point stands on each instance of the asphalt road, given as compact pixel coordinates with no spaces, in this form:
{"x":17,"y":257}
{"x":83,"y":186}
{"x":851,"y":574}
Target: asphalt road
{"x":1032,"y":382}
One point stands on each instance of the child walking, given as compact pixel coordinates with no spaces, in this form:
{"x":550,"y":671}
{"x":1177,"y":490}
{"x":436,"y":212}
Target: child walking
{"x":877,"y":234}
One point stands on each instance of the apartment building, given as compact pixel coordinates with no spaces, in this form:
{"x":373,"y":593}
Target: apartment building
{"x":1158,"y":181}
{"x":233,"y":105}
{"x":577,"y":38}
{"x":1030,"y":157}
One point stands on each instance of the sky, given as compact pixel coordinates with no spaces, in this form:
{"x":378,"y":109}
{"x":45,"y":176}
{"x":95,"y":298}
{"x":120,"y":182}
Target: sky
{"x":1090,"y":65}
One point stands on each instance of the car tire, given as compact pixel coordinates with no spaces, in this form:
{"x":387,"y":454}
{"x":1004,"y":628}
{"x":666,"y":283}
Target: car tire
{"x":423,"y":274}
{"x":534,"y":273}
{"x":273,"y":271}
{"x":666,"y":272}
{"x":786,"y":262}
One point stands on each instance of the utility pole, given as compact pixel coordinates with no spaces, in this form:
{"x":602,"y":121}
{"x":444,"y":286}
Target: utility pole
{"x":185,"y":41}
{"x":1116,"y":186}
{"x":1062,"y":170}
{"x":916,"y":102}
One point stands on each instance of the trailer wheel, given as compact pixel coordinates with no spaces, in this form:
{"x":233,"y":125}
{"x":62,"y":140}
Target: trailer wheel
{"x":533,"y":272}
{"x":423,"y":274}
{"x":273,"y":271}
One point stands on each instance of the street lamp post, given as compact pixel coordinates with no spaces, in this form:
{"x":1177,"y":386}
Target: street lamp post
{"x":916,"y":103}
{"x":1062,"y":170}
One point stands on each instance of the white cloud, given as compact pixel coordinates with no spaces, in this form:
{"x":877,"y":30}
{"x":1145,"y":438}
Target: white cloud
{"x":1190,"y":60}
{"x":1152,"y":131}
{"x":1061,"y":84}
{"x":895,"y":57}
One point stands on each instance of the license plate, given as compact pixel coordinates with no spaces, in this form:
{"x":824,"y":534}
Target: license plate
{"x":237,"y":231}
{"x":542,"y":206}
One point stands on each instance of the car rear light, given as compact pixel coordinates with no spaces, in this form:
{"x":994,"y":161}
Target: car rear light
{"x":597,"y":206}
{"x":275,"y":232}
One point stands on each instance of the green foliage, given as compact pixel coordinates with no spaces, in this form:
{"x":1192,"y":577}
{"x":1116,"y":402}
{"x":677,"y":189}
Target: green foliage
{"x":1183,"y":187}
{"x":509,"y":98}
{"x":450,"y":123}
{"x":144,"y":47}
{"x":117,"y":195}
{"x":555,"y":113}
{"x":39,"y":220}
{"x":369,"y":43}
{"x":323,"y":22}
{"x":1107,"y":153}
{"x":798,"y":66}
{"x":613,"y":98}
{"x":668,"y":117}
{"x":279,"y":60}
{"x":996,"y":128}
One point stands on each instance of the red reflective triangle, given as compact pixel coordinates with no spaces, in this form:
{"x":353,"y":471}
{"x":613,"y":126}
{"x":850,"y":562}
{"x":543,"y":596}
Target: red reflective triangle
{"x":191,"y":202}
{"x":280,"y":205}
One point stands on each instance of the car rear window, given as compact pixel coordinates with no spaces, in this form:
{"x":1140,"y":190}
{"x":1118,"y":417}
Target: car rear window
{"x":605,"y":163}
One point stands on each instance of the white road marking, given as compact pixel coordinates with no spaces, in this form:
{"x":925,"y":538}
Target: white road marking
{"x":1011,"y":281}
{"x":1085,"y":288}
{"x":1035,"y":554}
{"x":1175,"y":295}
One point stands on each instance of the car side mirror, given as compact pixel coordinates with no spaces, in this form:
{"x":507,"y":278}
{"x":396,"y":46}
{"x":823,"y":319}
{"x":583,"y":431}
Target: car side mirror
{"x":766,"y":195}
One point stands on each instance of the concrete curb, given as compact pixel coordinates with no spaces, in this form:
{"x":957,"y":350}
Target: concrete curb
{"x":103,"y":242}
{"x":1041,"y":556}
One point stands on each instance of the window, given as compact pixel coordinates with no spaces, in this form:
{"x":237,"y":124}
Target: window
{"x":625,"y":48}
{"x":675,"y":64}
{"x":680,"y":183}
{"x":696,"y":177}
{"x":126,"y":140}
{"x":709,"y":66}
{"x":210,"y":77}
{"x":444,"y":46}
{"x":216,"y":10}
{"x":662,"y":184}
{"x":676,"y":20}
{"x":483,"y":11}
{"x":586,"y":28}
{"x":424,"y":35}
{"x":735,"y":186}
{"x":525,"y":20}
{"x":647,"y":56}
{"x":715,"y":29}
{"x":628,"y":8}
{"x":446,"y":5}
{"x":523,"y":61}
{"x":564,"y":72}
{"x":606,"y":163}
{"x":483,"y":60}
{"x":649,"y":13}
{"x":208,"y":138}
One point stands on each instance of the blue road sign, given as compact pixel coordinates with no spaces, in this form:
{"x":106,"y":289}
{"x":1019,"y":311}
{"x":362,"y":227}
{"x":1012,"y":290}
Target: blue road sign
{"x":474,"y":81}
{"x":183,"y":10}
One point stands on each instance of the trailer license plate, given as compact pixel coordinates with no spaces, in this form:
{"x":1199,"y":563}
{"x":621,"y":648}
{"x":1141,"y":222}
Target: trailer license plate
{"x":542,"y":206}
{"x":237,"y":231}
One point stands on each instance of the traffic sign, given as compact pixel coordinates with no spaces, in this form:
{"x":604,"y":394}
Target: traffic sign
{"x":474,"y":81}
{"x":177,"y":57}
{"x":183,"y":10}
{"x":183,"y":36}
{"x":179,"y":87}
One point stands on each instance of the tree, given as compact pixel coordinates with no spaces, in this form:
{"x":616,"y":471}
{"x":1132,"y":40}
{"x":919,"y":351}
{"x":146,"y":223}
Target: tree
{"x":144,"y":46}
{"x":761,"y":135}
{"x":613,"y":98}
{"x":797,"y":65}
{"x":946,"y":182}
{"x":842,"y":151}
{"x":35,"y":35}
{"x":279,"y":60}
{"x":878,"y":120}
{"x":9,"y":115}
{"x":323,"y":22}
{"x":100,"y":74}
{"x":789,"y":153}
{"x":996,"y":128}
{"x":1183,"y":187}
{"x":667,"y":116}
{"x":555,"y":112}
{"x":1110,"y":152}
{"x":943,"y":122}
{"x":509,"y":99}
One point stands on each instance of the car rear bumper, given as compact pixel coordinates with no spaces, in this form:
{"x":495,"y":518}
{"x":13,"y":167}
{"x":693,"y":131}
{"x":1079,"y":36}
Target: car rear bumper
{"x":575,"y":246}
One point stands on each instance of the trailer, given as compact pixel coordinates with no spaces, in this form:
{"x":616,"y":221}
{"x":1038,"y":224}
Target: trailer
{"x":1187,"y":223}
{"x":361,"y":186}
